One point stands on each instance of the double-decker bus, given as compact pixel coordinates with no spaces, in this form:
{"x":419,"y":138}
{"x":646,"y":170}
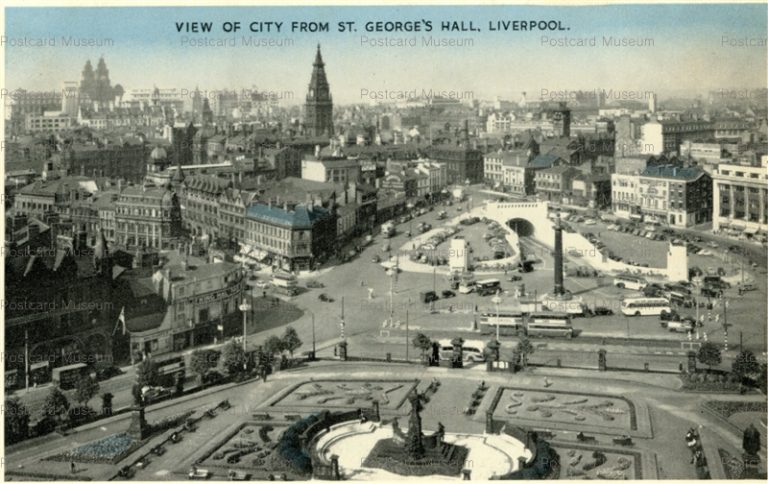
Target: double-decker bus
{"x":488,"y":287}
{"x":549,"y":324}
{"x":285,"y":283}
{"x":645,"y":306}
{"x":629,"y":281}
{"x":509,"y":323}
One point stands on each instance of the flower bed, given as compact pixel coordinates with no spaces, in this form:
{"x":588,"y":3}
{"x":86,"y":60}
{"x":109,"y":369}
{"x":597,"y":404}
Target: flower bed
{"x":108,"y":450}
{"x":703,"y":382}
{"x":727,"y":408}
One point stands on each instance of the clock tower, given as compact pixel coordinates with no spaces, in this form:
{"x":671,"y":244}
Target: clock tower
{"x":318,"y":109}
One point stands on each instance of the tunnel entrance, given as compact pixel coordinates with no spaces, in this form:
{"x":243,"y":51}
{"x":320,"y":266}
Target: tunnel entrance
{"x":522,"y":227}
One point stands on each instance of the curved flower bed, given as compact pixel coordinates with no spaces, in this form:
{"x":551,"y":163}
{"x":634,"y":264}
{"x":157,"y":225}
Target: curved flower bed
{"x":108,"y":450}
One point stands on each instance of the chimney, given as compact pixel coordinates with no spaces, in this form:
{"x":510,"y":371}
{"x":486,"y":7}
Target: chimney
{"x":285,"y":206}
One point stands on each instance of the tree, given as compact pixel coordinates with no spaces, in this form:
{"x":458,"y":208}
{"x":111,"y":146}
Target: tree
{"x":55,"y":405}
{"x":709,"y":354}
{"x":147,"y":374}
{"x":233,"y":358}
{"x":85,"y":389}
{"x":16,"y":421}
{"x":762,"y":379}
{"x":203,"y":361}
{"x":106,"y":404}
{"x":273,"y":345}
{"x":745,"y":364}
{"x":526,"y":349}
{"x":291,"y":340}
{"x":422,"y":342}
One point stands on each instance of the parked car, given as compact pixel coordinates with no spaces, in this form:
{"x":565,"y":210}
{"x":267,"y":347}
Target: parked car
{"x":325,"y":297}
{"x":428,"y":296}
{"x":747,"y":287}
{"x":376,"y":259}
{"x":262,"y":284}
{"x":602,"y":311}
{"x":515,"y":278}
{"x":447,"y":293}
{"x":313,"y":284}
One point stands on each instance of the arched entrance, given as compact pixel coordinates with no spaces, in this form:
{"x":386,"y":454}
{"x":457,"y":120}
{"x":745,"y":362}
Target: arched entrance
{"x":522,"y":227}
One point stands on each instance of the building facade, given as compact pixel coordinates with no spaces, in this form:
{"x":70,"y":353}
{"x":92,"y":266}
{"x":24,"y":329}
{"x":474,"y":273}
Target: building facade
{"x":741,"y":198}
{"x":293,"y":237}
{"x":675,"y":196}
{"x":147,"y":217}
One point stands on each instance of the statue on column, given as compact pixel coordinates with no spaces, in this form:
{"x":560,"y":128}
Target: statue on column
{"x":414,"y":446}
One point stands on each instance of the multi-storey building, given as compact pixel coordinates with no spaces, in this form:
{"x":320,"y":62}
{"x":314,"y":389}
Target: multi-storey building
{"x":231,"y":214}
{"x":462,"y":162}
{"x":58,"y":306}
{"x":437,"y":173}
{"x":330,"y":169}
{"x":48,"y":122}
{"x":592,"y":190}
{"x":293,"y":237}
{"x":127,"y":161}
{"x":554,"y":184}
{"x":147,"y":216}
{"x":741,"y":197}
{"x":192,"y":303}
{"x":200,"y":212}
{"x":52,"y":195}
{"x":676,"y":196}
{"x":625,"y":195}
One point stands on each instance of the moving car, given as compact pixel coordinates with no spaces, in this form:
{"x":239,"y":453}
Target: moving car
{"x":428,"y":296}
{"x":748,"y":287}
{"x":447,"y":293}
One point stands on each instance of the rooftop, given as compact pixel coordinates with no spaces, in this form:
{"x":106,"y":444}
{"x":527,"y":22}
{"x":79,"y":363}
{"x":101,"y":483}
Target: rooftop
{"x":301,"y":217}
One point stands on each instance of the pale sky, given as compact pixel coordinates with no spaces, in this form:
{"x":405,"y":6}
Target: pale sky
{"x":687,"y":48}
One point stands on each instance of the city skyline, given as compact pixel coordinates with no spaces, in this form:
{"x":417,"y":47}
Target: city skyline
{"x":705,"y":58}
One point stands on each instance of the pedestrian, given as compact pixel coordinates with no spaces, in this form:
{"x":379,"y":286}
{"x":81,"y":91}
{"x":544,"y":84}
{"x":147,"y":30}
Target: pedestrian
{"x":72,"y":467}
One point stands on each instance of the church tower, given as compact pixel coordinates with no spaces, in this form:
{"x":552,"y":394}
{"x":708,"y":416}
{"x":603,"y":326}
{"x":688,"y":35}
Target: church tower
{"x":318,"y":110}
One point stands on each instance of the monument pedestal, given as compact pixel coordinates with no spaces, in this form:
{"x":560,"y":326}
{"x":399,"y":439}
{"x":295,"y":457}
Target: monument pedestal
{"x":138,"y":428}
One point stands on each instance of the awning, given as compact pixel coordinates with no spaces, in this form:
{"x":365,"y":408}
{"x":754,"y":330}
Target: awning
{"x":39,"y":364}
{"x":751,"y":230}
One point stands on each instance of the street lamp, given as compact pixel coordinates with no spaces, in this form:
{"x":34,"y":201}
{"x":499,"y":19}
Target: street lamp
{"x":497,"y":300}
{"x":245,"y":307}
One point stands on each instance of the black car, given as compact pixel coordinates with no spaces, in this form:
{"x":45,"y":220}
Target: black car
{"x":448,"y":293}
{"x":653,"y":290}
{"x":429,"y":296}
{"x":602,"y":311}
{"x":711,"y":292}
{"x":670,"y":316}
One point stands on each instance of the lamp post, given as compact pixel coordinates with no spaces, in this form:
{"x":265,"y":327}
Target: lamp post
{"x":496,"y":300}
{"x":245,"y":307}
{"x":391,"y":274}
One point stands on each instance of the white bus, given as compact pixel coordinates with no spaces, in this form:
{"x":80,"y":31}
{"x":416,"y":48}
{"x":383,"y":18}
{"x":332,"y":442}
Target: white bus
{"x":630,"y":282}
{"x":549,"y":324}
{"x":466,"y":286}
{"x":488,"y":287}
{"x":472,"y":350}
{"x":510,"y":323}
{"x":645,"y":306}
